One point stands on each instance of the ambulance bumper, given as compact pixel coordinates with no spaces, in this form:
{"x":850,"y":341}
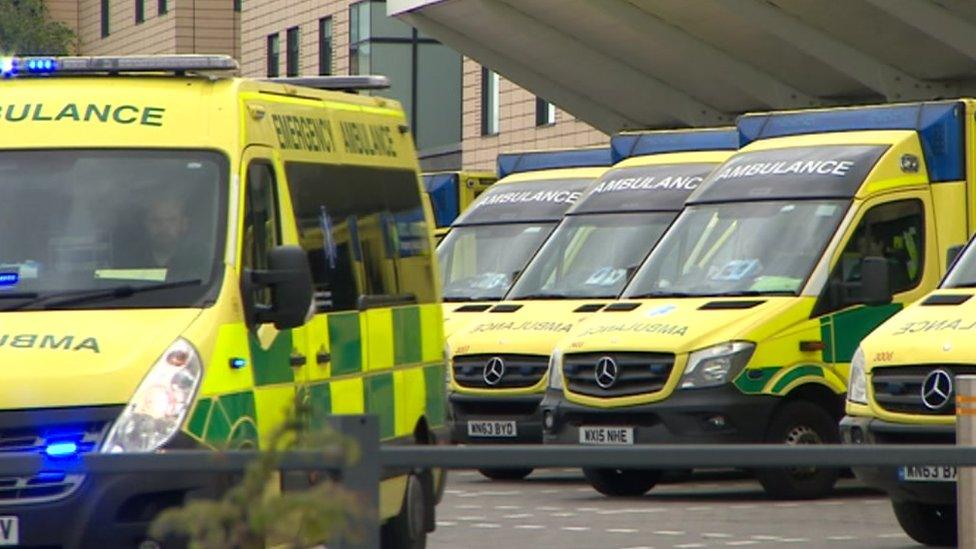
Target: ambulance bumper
{"x":520,"y":417}
{"x":700,"y":416}
{"x":865,"y":430}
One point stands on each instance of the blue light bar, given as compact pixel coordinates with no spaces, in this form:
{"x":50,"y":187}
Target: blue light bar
{"x":444,"y":197}
{"x":627,"y":145}
{"x":509,"y":163}
{"x":39,"y":66}
{"x":61,"y":449}
{"x":940,"y":125}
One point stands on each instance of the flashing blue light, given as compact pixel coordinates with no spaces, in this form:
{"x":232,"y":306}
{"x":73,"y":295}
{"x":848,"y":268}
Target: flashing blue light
{"x":238,"y":363}
{"x":61,"y":449}
{"x":9,"y":279}
{"x":940,"y":126}
{"x":444,"y":197}
{"x":510,"y":163}
{"x":627,"y":145}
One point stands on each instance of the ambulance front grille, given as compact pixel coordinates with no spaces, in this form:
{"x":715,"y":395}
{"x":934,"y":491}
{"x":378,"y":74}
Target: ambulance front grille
{"x":898,"y":389}
{"x":512,"y":372}
{"x":33,"y":433}
{"x":620,"y":374}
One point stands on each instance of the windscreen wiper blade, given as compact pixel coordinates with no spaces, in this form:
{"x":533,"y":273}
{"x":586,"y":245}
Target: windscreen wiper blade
{"x":541,"y":295}
{"x":649,"y":295}
{"x":74,"y":297}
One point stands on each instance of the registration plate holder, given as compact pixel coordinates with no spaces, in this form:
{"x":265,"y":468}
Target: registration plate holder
{"x":492,"y":429}
{"x":607,"y":436}
{"x":927,"y":473}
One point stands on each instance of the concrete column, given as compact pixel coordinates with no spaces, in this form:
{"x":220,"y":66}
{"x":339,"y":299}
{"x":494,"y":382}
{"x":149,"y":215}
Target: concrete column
{"x":966,"y":477}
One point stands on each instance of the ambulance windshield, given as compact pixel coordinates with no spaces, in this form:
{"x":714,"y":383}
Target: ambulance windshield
{"x":740,"y":248}
{"x":74,"y":222}
{"x":963,"y":273}
{"x":480,"y":262}
{"x":591,"y":256}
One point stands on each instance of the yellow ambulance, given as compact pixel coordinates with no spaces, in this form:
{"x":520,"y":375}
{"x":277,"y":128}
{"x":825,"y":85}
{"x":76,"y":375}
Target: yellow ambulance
{"x":902,"y":390}
{"x":181,"y":255}
{"x":499,"y":360}
{"x":450,"y":193}
{"x":742,"y":323}
{"x":493,"y":240}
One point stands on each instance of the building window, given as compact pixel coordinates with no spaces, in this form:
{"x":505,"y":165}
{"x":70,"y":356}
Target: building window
{"x":274,"y":51}
{"x":545,"y":112}
{"x":325,"y":45}
{"x":140,"y":11}
{"x":293,"y":51}
{"x":105,"y":18}
{"x":162,"y":6}
{"x":237,"y":5}
{"x":489,"y":102}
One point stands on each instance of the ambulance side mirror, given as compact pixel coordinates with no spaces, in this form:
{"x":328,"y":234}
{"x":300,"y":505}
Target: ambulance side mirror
{"x":288,"y":279}
{"x":875,"y":281}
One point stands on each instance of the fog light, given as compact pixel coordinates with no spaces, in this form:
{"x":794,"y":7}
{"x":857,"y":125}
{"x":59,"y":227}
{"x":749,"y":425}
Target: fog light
{"x":717,"y":422}
{"x":548,"y":420}
{"x":857,"y":435}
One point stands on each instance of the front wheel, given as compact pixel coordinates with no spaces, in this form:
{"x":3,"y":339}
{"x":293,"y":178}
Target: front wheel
{"x":408,"y":529}
{"x":795,"y":424}
{"x":932,"y":525}
{"x":622,"y":482}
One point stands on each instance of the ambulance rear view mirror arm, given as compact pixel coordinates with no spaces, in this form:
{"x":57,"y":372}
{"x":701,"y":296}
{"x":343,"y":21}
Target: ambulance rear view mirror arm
{"x":875,"y":281}
{"x":289,"y":277}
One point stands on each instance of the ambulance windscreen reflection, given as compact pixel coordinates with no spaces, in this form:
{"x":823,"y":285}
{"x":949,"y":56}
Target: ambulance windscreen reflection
{"x":591,"y":256}
{"x":742,"y":248}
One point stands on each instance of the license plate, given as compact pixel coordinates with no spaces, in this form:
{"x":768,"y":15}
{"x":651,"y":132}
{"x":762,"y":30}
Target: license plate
{"x":927,"y":473}
{"x":492,"y":429}
{"x":9,"y":530}
{"x":606,"y":435}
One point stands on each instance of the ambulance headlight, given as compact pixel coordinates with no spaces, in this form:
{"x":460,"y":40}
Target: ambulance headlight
{"x":716,"y":365}
{"x":556,"y":370}
{"x":157,"y":409}
{"x":857,"y":387}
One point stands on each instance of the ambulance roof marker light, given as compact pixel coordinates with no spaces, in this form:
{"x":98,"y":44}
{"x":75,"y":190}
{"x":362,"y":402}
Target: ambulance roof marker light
{"x":8,"y":66}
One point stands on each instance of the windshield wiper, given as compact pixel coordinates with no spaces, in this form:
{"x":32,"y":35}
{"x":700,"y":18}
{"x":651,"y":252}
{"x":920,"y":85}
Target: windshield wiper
{"x":661,"y":294}
{"x":541,"y":295}
{"x":754,"y":293}
{"x":74,"y":297}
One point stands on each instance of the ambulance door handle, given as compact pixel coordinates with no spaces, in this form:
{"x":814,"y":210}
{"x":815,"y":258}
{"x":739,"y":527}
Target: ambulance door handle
{"x":323,"y":358}
{"x":297,"y":361}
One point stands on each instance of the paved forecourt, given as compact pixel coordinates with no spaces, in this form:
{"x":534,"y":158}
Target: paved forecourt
{"x":556,"y":508}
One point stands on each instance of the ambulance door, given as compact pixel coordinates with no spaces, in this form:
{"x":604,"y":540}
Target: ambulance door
{"x":278,"y":357}
{"x":896,"y":227}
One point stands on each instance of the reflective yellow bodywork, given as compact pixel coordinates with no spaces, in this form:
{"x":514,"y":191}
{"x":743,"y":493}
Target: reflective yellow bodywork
{"x":386,"y":361}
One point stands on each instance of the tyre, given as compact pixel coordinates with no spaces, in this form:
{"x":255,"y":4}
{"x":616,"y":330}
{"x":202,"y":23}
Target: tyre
{"x":796,"y":423}
{"x":933,"y":525}
{"x":408,"y":530}
{"x":505,"y":474}
{"x":622,"y":482}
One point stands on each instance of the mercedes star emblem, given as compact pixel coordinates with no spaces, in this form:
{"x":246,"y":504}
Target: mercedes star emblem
{"x":606,"y":372}
{"x":494,"y":371}
{"x":937,"y":389}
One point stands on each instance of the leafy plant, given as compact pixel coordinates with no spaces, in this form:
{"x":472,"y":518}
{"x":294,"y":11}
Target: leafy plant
{"x":26,"y":28}
{"x":252,"y":515}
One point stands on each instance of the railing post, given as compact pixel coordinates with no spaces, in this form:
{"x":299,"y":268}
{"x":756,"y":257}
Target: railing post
{"x":362,"y":477}
{"x":966,"y":476}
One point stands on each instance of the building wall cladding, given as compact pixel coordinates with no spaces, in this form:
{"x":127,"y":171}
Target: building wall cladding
{"x":189,"y":26}
{"x":261,"y":19}
{"x":517,"y":130}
